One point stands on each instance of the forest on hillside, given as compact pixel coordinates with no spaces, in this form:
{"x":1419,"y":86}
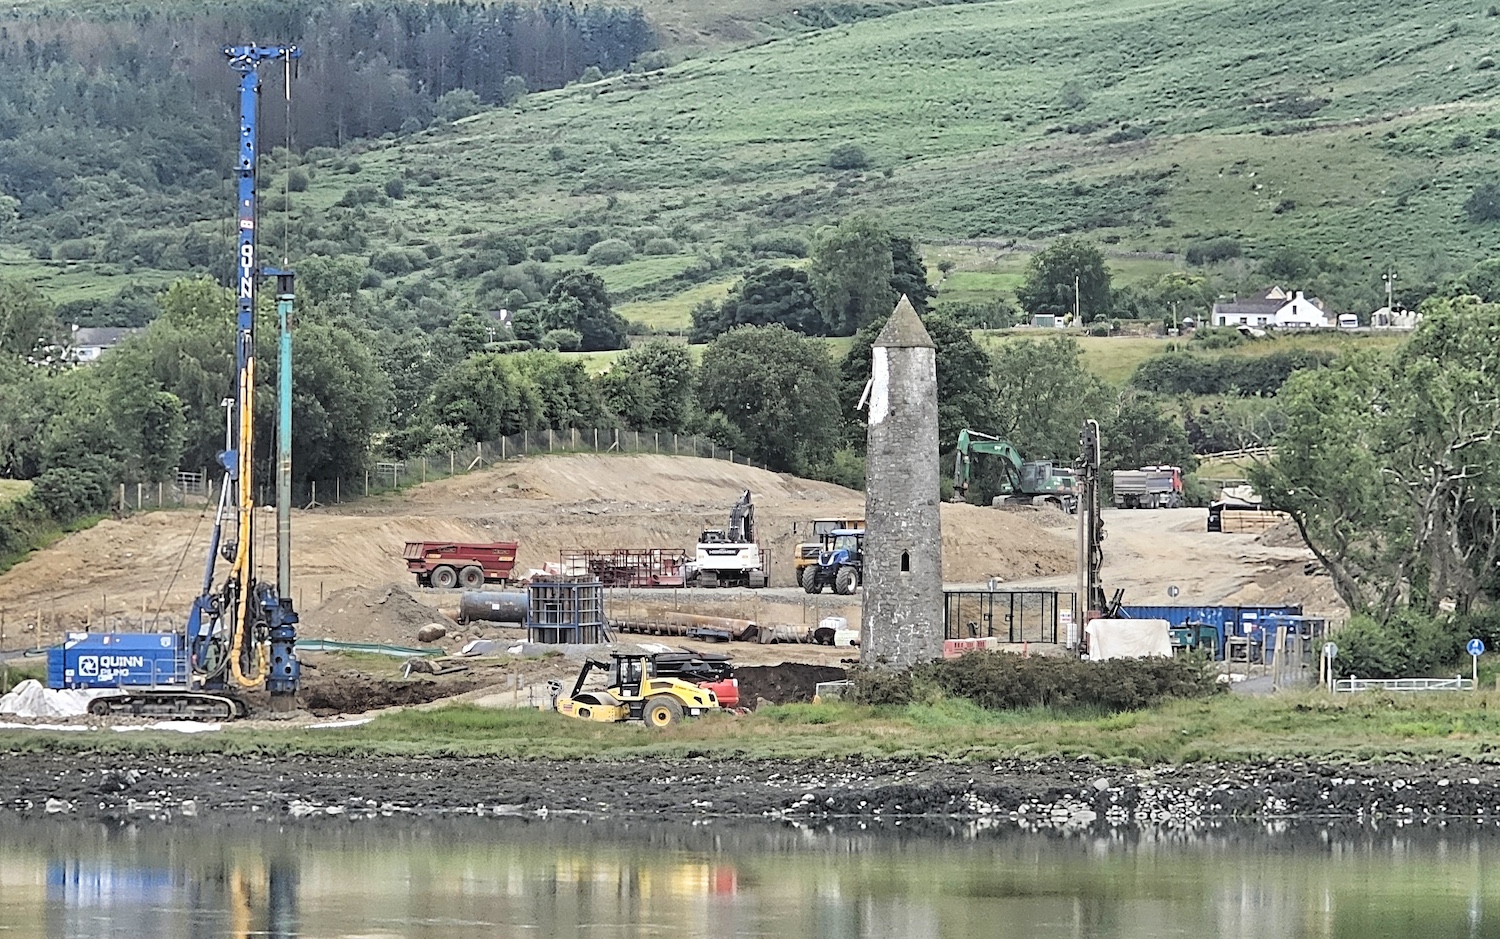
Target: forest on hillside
{"x":133,"y":108}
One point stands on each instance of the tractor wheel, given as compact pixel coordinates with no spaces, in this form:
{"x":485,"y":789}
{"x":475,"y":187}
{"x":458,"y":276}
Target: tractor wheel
{"x":471,"y":577}
{"x":444,"y":578}
{"x":662,"y":711}
{"x":809,"y":577}
{"x":845,"y":581}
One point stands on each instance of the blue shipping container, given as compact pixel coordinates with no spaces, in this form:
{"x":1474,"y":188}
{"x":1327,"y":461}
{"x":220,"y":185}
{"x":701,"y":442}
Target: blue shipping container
{"x":1226,"y":620}
{"x":118,"y":660}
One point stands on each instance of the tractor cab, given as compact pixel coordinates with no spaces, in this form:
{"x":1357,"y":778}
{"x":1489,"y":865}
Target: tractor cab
{"x":842,"y":546}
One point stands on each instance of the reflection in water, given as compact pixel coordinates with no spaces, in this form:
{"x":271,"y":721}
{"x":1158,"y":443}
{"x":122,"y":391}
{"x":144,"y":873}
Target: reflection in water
{"x":493,"y":877}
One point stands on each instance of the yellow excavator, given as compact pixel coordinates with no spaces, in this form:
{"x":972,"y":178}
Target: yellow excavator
{"x":634,"y":692}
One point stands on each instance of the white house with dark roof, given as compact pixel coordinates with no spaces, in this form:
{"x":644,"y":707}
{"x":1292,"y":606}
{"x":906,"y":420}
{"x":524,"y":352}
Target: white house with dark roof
{"x":89,"y":342}
{"x":1274,"y":309}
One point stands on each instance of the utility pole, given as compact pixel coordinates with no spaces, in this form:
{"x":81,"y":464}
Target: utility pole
{"x":1077,"y":320}
{"x":1390,"y":287}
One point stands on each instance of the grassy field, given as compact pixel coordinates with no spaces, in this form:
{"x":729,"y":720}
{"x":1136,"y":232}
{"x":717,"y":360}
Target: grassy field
{"x":1016,"y":120}
{"x":1114,"y":358}
{"x":1287,"y":726}
{"x":996,"y":119}
{"x":11,"y":489}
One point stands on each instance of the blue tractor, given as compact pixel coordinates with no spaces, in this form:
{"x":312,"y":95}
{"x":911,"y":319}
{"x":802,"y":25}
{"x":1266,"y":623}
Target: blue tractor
{"x":841,"y":563}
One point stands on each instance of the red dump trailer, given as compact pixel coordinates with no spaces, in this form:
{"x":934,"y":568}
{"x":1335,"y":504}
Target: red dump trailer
{"x":449,"y":564}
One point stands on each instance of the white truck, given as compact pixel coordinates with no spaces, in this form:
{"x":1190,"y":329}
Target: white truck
{"x":1150,"y":487}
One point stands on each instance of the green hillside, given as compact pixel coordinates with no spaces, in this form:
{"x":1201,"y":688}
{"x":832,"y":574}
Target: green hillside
{"x":1341,"y":130}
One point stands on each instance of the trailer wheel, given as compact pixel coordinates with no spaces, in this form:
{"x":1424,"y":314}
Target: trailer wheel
{"x":99,"y":707}
{"x":845,"y":581}
{"x":444,"y":578}
{"x":809,"y":578}
{"x":471,"y":577}
{"x":662,"y":711}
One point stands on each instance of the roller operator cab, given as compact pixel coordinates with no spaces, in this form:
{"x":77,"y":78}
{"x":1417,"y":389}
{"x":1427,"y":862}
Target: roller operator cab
{"x":635,"y":691}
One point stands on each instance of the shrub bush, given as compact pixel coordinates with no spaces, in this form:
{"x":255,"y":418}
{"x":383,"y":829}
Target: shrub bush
{"x":541,"y":253}
{"x":610,"y":251}
{"x":661,"y":246}
{"x":67,"y":494}
{"x":1409,"y":645}
{"x":847,"y":156}
{"x":563,"y":340}
{"x":781,"y":244}
{"x":1001,"y":681}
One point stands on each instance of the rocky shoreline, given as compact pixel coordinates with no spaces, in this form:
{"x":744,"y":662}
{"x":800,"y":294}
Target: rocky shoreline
{"x":1048,"y":793}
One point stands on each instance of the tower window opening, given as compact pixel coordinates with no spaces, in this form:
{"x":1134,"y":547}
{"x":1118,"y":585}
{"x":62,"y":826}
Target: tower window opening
{"x":906,"y":562}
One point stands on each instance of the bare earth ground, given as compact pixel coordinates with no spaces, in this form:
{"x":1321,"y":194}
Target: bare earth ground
{"x":350,"y":582}
{"x":154,"y":561}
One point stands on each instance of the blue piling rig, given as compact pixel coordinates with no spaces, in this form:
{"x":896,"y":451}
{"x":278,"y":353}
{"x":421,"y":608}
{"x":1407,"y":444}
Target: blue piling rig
{"x":230,"y":629}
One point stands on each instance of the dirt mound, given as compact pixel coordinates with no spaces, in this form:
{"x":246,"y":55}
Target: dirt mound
{"x":783,"y":684}
{"x":1281,"y":535}
{"x":353,"y":693}
{"x":387,"y":614}
{"x":549,"y":505}
{"x":667,"y":480}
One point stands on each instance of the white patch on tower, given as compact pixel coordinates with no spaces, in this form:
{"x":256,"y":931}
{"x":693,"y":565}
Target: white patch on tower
{"x":880,"y":387}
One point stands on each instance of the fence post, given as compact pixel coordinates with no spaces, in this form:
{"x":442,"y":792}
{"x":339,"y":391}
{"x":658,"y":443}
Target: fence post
{"x":138,"y":488}
{"x":573,"y":435}
{"x":451,"y":458}
{"x":596,"y":440}
{"x":656,"y":440}
{"x":674,"y":444}
{"x":502,"y":448}
{"x":367,"y":483}
{"x":713,"y":450}
{"x":159,"y":503}
{"x":549,"y":440}
{"x":338,"y":489}
{"x":424,"y":469}
{"x":314,"y":495}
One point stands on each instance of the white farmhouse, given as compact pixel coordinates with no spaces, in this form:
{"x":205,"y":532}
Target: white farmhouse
{"x":1274,"y":309}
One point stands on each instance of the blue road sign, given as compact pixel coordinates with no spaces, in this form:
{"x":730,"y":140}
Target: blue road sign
{"x":1475,"y":647}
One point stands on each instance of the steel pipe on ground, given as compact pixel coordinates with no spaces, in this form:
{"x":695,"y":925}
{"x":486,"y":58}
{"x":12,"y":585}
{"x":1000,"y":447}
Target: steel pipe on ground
{"x":493,"y":606}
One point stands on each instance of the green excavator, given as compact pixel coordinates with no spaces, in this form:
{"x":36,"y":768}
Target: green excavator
{"x":1037,"y":483}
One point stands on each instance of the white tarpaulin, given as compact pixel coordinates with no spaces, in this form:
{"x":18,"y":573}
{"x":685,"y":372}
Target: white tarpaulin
{"x":31,"y":699}
{"x":1128,"y":638}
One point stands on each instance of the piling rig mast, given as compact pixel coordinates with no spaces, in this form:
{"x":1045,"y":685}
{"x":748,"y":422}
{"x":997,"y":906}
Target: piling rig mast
{"x":241,"y":634}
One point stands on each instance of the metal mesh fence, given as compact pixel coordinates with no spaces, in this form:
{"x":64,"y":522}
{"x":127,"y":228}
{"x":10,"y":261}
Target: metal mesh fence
{"x":381,"y":476}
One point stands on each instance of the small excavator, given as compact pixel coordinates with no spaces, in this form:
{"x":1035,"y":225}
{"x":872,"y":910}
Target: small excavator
{"x":1034,"y":482}
{"x":730,"y":557}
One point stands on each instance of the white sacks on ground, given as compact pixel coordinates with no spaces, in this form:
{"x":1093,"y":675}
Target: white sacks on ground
{"x":1128,"y":638}
{"x":31,"y":699}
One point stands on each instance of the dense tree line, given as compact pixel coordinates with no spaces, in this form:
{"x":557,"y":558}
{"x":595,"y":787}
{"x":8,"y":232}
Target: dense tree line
{"x":135,"y":106}
{"x":1188,"y":373}
{"x":857,"y":271}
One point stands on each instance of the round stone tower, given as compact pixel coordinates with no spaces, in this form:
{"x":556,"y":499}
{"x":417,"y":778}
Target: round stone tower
{"x":903,"y":553}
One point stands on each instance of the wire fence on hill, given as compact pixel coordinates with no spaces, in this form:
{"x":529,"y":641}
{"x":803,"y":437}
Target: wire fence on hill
{"x":386,"y":476}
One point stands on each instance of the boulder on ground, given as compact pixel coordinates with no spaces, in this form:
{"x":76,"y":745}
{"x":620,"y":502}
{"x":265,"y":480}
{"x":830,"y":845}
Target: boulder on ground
{"x":432,"y":632}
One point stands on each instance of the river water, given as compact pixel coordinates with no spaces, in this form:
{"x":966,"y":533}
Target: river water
{"x":514,"y":877}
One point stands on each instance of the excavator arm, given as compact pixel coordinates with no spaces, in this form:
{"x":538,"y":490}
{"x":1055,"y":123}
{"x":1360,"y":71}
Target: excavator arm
{"x":971,"y":442}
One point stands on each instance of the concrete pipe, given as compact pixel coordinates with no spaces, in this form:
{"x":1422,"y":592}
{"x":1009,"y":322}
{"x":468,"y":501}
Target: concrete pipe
{"x":493,"y":606}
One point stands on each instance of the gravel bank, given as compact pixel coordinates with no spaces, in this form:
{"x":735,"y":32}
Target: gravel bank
{"x":1055,"y":793}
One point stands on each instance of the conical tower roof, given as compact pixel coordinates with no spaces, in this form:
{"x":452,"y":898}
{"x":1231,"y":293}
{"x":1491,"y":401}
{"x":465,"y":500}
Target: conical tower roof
{"x":904,"y":330}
